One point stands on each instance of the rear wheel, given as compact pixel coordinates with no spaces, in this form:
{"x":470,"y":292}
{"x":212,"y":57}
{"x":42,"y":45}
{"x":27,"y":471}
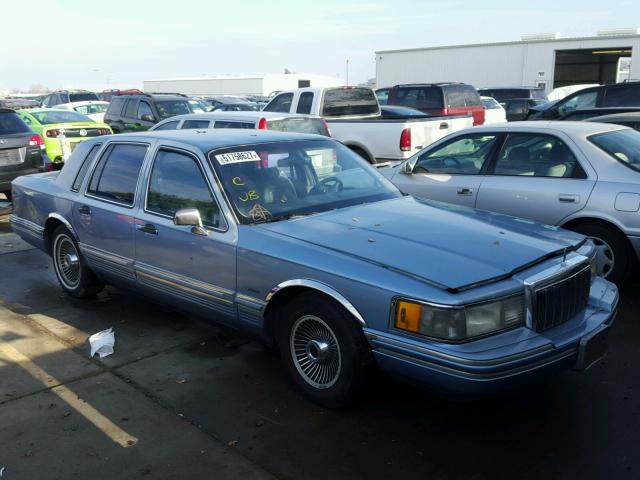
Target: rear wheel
{"x":73,"y":274}
{"x":362,"y":153}
{"x":615,"y":256}
{"x":324,"y":350}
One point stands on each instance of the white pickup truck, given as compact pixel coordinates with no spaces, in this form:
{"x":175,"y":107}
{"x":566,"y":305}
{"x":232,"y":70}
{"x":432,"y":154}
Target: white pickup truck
{"x":353,"y":115}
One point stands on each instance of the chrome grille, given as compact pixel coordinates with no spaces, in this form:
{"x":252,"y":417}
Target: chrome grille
{"x":556,"y":303}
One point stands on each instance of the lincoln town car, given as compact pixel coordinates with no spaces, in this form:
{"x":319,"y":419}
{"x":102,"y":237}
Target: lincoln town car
{"x":297,"y":241}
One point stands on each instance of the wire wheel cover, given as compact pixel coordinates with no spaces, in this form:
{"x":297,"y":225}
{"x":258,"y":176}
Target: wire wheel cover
{"x":315,"y":352}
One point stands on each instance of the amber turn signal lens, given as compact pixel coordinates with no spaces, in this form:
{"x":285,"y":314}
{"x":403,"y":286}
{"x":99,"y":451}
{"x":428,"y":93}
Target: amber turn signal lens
{"x":408,"y":316}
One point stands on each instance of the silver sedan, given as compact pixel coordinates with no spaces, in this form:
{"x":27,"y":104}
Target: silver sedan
{"x":577,"y":175}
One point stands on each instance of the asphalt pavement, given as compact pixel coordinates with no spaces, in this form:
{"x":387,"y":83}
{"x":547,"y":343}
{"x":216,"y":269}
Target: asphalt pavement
{"x":182,"y":398}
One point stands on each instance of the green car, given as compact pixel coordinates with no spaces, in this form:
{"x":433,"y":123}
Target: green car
{"x":62,"y":130}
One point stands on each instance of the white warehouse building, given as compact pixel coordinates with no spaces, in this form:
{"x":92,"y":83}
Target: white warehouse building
{"x":537,"y":60}
{"x":261,"y":85}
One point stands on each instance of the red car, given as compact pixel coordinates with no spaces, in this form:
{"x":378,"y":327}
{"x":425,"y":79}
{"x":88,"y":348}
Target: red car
{"x":441,"y":99}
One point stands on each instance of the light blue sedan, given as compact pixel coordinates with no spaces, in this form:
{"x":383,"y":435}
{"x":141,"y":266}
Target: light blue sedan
{"x":297,"y":241}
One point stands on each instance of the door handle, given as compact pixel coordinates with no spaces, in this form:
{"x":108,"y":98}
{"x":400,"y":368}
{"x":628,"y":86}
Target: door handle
{"x":84,"y":210}
{"x":444,"y":126}
{"x":465,"y":191}
{"x":149,"y":228}
{"x":568,"y":198}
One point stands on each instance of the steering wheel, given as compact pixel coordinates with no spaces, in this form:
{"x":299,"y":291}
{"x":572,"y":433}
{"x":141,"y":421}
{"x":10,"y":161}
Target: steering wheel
{"x":332,"y":183}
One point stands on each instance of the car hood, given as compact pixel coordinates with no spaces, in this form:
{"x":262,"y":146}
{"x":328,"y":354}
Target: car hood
{"x":445,"y":245}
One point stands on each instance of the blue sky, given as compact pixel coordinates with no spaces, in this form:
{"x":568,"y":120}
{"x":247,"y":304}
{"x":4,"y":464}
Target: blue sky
{"x":89,"y":43}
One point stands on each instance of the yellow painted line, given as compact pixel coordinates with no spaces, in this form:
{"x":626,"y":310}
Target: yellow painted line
{"x":107,"y":427}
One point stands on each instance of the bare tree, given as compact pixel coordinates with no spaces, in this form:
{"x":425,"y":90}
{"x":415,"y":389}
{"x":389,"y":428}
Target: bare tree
{"x":38,"y":88}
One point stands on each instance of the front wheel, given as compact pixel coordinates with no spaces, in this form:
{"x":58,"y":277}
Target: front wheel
{"x":324,"y":350}
{"x":615,"y":256}
{"x":74,"y":276}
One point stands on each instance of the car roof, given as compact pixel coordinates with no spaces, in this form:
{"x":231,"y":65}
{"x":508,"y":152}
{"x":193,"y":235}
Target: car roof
{"x":210,"y":139}
{"x":575,"y":128}
{"x":615,"y":116}
{"x":512,"y":88}
{"x":7,"y":110}
{"x":243,"y":115}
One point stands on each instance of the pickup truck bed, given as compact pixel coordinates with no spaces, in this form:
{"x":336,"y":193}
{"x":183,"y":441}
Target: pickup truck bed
{"x":378,"y":139}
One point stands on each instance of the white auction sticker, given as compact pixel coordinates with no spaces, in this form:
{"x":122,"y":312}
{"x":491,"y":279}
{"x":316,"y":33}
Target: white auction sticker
{"x":237,"y":157}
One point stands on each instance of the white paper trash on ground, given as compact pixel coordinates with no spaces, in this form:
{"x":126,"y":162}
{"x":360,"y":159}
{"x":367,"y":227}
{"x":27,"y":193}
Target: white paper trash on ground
{"x":102,"y":343}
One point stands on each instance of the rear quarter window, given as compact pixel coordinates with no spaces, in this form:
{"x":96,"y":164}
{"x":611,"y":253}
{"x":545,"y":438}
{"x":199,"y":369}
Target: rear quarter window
{"x":299,"y":125}
{"x":623,"y":145}
{"x":86,"y":163}
{"x":232,"y":124}
{"x":455,"y":96}
{"x":422,"y":98}
{"x":192,"y":124}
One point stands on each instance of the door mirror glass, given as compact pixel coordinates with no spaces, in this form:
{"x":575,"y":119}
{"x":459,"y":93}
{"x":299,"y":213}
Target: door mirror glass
{"x":147,"y":118}
{"x":407,"y":168}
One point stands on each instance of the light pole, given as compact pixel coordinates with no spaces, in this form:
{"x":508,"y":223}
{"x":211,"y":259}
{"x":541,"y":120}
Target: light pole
{"x":347,"y":73}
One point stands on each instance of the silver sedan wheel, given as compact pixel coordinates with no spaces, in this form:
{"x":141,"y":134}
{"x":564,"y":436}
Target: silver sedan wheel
{"x":66,"y":261}
{"x":605,"y":257}
{"x":315,"y":352}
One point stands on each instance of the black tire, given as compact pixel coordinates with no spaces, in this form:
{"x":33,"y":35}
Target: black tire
{"x":75,"y":277}
{"x":618,"y":260}
{"x":354,"y":359}
{"x":362,"y":153}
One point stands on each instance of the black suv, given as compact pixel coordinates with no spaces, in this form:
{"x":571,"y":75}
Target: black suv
{"x":21,"y":150}
{"x":510,"y":93}
{"x":615,"y":95}
{"x":139,"y":112}
{"x":67,"y":96}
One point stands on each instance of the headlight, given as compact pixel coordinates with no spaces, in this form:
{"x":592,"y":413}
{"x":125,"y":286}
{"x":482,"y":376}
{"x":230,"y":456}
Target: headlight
{"x":456,"y":324}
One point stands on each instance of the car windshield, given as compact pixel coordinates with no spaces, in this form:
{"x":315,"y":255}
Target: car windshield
{"x":299,"y":125}
{"x":274,"y":181}
{"x":169,"y":108}
{"x":59,"y":116}
{"x":11,"y":124}
{"x":623,"y":145}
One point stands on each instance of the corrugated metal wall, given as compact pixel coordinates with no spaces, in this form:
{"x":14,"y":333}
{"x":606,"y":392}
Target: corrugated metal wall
{"x":519,"y":63}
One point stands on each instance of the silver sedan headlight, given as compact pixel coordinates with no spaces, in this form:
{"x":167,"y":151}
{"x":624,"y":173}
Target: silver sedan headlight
{"x":459,"y":323}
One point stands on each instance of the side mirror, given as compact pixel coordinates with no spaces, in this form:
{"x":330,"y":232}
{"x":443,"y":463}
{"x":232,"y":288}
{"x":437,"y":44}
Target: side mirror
{"x":407,"y":169}
{"x":190,"y":217}
{"x":147,"y":118}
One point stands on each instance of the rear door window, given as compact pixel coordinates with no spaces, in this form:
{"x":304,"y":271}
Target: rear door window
{"x":305,"y":102}
{"x":116,"y":176}
{"x":537,"y":155}
{"x":622,"y":96}
{"x":131,"y":110}
{"x":191,"y":124}
{"x":281,"y":103}
{"x":578,"y":102}
{"x":343,"y":101}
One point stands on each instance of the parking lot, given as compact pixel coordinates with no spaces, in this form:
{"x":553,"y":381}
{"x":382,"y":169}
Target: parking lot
{"x":181,"y":398}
